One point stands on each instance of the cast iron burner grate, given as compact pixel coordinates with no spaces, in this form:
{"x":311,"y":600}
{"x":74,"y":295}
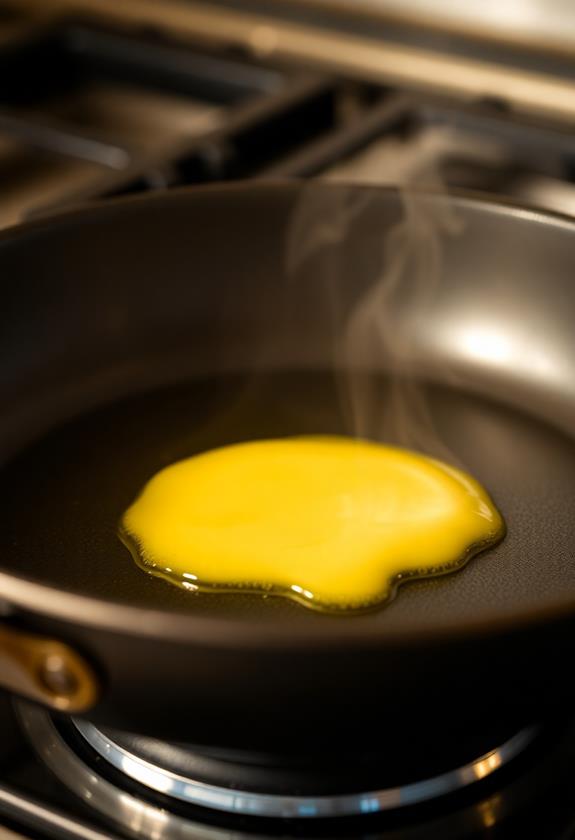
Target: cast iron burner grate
{"x":121,"y":109}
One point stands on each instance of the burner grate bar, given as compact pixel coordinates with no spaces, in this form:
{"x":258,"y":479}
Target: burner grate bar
{"x":330,"y":149}
{"x":527,"y":134}
{"x":356,"y":56}
{"x":61,"y":139}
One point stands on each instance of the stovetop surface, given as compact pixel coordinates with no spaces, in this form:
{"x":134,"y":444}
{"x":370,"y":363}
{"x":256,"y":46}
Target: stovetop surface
{"x":92,"y":108}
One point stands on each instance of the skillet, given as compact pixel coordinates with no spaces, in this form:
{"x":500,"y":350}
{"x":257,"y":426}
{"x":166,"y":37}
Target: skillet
{"x":220,"y":314}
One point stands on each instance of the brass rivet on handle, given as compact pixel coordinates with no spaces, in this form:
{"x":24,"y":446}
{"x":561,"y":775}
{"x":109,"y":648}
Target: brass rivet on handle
{"x":55,"y":674}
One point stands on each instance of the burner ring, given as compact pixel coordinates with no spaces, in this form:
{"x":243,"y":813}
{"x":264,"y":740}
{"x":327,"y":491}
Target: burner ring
{"x":59,"y":756}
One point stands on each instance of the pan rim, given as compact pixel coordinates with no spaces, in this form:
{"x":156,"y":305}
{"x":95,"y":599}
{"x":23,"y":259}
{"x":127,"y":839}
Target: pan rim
{"x":43,"y":600}
{"x":87,"y":210}
{"x":21,"y":595}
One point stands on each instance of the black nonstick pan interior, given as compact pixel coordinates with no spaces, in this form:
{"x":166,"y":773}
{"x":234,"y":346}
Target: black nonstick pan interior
{"x":141,"y":332}
{"x":63,"y":498}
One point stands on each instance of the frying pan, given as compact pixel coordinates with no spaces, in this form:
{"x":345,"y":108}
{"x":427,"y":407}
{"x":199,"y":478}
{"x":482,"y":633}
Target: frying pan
{"x":243,"y":285}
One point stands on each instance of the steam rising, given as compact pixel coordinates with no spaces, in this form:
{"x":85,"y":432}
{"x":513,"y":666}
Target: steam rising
{"x":379,"y":333}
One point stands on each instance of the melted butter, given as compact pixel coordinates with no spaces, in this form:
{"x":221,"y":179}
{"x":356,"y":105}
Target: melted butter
{"x":334,"y":522}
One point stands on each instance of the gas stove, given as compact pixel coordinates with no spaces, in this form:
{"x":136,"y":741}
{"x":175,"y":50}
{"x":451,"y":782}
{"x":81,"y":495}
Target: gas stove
{"x":103,"y":99}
